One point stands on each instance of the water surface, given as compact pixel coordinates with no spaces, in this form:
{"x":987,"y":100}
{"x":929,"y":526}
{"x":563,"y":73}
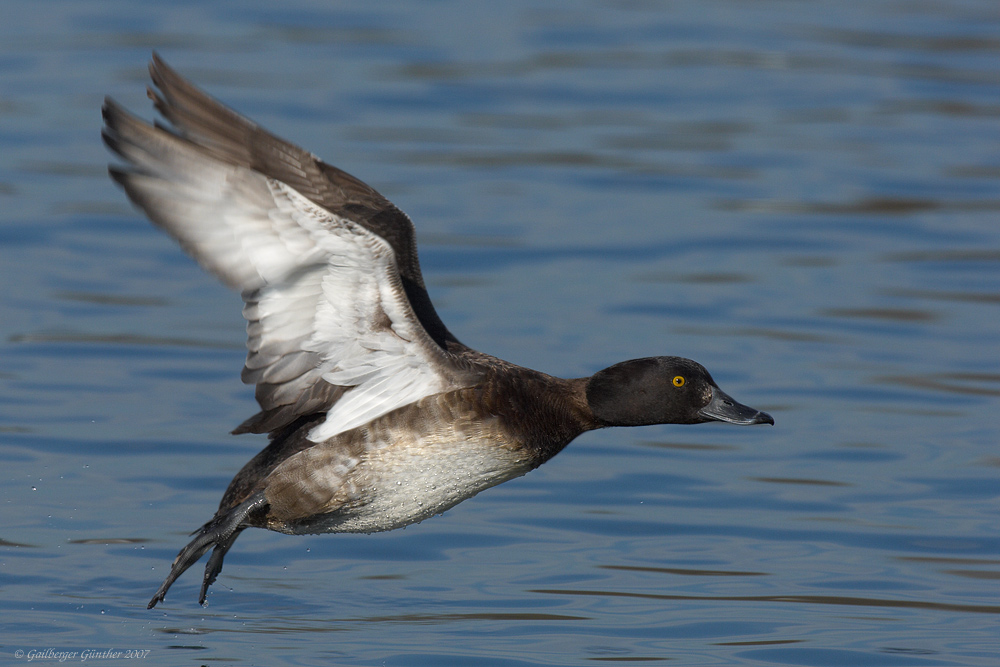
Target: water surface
{"x":802,"y":196}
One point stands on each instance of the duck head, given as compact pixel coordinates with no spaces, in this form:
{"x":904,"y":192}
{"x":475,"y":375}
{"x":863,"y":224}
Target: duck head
{"x":663,"y":390}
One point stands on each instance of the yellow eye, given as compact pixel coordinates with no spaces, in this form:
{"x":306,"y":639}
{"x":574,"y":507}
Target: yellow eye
{"x":678,"y":380}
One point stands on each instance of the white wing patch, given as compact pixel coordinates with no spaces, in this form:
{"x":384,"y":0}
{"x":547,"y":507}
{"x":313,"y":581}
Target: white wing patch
{"x":364,"y":328}
{"x":329,"y":325}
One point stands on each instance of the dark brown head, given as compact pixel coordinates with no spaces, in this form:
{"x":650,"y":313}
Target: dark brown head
{"x":663,"y":390}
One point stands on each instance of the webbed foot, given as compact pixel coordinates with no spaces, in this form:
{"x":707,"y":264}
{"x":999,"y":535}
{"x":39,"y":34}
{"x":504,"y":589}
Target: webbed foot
{"x":221,"y":532}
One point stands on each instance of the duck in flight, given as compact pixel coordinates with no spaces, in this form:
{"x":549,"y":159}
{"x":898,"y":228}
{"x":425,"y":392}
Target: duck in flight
{"x":378,"y":417}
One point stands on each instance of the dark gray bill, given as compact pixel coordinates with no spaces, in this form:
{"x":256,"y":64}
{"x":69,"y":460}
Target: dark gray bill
{"x":724,"y":408}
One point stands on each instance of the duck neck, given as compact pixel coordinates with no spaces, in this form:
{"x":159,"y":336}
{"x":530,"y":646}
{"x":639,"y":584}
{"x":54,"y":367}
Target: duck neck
{"x":545,"y":413}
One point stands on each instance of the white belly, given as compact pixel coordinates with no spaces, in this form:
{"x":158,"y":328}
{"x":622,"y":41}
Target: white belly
{"x":398,"y":486}
{"x":393,"y":477}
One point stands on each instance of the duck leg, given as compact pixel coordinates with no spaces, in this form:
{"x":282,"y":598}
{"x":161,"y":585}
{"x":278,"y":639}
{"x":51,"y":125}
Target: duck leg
{"x":221,"y":532}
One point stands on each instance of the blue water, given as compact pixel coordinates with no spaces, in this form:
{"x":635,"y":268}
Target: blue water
{"x":802,"y":196}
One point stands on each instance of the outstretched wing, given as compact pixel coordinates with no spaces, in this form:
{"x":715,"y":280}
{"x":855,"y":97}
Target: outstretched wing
{"x":327,"y":267}
{"x":233,"y":139}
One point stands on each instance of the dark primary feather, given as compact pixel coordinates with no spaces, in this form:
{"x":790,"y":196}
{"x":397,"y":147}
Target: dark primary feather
{"x":205,"y":130}
{"x":235,"y":139}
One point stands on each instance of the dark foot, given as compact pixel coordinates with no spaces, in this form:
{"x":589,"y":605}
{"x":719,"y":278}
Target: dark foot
{"x":221,"y":532}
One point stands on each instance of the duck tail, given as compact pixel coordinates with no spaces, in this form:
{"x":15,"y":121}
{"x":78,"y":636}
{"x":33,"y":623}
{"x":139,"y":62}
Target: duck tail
{"x":221,"y":532}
